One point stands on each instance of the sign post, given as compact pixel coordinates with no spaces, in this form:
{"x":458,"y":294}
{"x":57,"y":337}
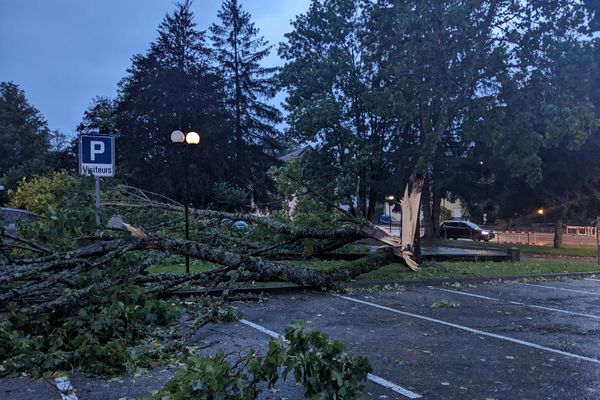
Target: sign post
{"x":97,"y":158}
{"x":598,"y":238}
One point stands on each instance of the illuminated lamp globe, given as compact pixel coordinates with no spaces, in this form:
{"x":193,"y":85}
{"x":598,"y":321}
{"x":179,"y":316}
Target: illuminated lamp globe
{"x":177,"y":137}
{"x":192,"y":138}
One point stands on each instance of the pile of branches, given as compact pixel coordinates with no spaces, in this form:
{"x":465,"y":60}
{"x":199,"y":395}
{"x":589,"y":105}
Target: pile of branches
{"x":92,"y":305}
{"x":49,"y":279}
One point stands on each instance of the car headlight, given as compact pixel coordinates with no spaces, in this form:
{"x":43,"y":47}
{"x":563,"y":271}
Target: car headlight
{"x":485,"y":232}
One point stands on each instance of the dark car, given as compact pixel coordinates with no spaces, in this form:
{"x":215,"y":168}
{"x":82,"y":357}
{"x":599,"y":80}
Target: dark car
{"x":465,"y":230}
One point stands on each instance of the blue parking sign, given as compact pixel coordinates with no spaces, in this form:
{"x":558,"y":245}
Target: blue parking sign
{"x":97,"y":155}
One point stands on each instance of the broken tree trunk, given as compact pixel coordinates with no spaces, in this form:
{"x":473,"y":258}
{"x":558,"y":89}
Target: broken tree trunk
{"x":410,"y":215}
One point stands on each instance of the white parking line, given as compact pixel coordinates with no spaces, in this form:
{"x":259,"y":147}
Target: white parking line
{"x":261,"y":328}
{"x":473,"y":330}
{"x":373,"y":378}
{"x":66,"y":389}
{"x":518,"y":303}
{"x":558,"y":288}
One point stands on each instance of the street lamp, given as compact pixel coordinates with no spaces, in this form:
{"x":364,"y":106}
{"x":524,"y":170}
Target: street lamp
{"x":390,"y":199}
{"x":191,"y":138}
{"x":540,"y":211}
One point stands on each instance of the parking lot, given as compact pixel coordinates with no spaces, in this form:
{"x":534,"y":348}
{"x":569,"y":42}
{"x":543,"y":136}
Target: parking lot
{"x":535,"y":340}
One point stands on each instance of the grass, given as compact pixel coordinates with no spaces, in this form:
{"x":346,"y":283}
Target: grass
{"x":176,"y":264}
{"x":455,"y":269}
{"x":530,"y":249}
{"x":399,"y":272}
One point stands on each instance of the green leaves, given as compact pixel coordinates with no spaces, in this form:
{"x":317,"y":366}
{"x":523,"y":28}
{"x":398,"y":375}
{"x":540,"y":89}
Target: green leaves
{"x":106,"y":336}
{"x":65,"y":205}
{"x":24,"y":137}
{"x":324,"y":368}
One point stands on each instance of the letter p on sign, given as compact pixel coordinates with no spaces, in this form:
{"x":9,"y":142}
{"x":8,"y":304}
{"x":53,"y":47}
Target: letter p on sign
{"x":96,"y":148}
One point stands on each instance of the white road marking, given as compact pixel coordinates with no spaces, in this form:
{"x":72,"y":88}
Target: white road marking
{"x":261,"y":328}
{"x":592,"y":279}
{"x":518,"y":303}
{"x":473,"y":330}
{"x":392,"y":386}
{"x":373,"y":378}
{"x":558,"y":288}
{"x":66,"y":389}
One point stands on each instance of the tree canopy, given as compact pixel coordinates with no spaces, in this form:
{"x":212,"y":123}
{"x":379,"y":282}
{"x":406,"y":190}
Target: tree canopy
{"x":24,"y":137}
{"x":442,"y":88}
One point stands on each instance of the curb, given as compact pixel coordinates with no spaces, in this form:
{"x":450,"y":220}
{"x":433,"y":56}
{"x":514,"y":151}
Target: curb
{"x":475,"y":279}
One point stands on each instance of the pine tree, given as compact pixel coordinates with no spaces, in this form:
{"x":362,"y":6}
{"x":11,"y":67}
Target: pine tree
{"x":24,"y":137}
{"x":172,"y":87}
{"x":239,"y":51}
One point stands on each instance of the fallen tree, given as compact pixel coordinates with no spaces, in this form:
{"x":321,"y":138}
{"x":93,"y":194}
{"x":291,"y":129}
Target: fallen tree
{"x":42,"y":276}
{"x":40,"y":287}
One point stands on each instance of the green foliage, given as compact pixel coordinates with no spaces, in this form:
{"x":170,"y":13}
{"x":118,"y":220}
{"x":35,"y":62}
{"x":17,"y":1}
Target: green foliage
{"x":324,"y":368}
{"x":105,"y":336}
{"x":171,"y":86}
{"x":239,"y":52}
{"x":227,"y":197}
{"x":205,"y":378}
{"x":329,"y":101}
{"x":501,"y":96}
{"x":24,"y":137}
{"x":42,"y":192}
{"x":66,"y":206}
{"x":308,"y":210}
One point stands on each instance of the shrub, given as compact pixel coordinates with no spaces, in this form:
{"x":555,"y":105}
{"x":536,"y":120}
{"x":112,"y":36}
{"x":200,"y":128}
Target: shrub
{"x":66,"y":206}
{"x":40,"y":193}
{"x":227,"y":197}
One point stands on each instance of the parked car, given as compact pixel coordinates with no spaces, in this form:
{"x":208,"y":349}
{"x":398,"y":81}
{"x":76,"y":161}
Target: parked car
{"x":9,"y":218}
{"x":465,"y":230}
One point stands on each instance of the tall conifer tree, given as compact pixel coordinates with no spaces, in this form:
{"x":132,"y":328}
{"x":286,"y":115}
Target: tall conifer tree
{"x":173,"y":87}
{"x":24,"y":137}
{"x":238,"y":52}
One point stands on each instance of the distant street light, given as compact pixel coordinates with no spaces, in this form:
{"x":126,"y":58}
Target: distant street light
{"x":390,"y":199}
{"x":540,"y":211}
{"x":178,"y":137}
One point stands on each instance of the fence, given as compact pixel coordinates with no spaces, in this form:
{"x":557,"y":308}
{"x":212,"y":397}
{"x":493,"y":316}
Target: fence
{"x":581,"y":230}
{"x":517,"y":237}
{"x":573,"y":237}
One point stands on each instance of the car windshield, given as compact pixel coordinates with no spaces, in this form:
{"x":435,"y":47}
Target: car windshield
{"x":472,"y":225}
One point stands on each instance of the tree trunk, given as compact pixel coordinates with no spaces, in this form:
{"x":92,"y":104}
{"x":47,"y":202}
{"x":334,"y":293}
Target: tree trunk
{"x":427,"y":210}
{"x":370,"y":206}
{"x":410,"y":210}
{"x":558,"y":233}
{"x":435,"y":212}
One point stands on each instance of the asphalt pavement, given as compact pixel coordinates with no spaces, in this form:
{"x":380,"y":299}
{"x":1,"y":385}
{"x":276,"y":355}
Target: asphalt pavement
{"x":530,"y":340}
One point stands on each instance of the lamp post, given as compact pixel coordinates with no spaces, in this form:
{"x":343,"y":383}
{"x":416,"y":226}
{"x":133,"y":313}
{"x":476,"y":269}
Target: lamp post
{"x":390,"y":199}
{"x":192,"y":138}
